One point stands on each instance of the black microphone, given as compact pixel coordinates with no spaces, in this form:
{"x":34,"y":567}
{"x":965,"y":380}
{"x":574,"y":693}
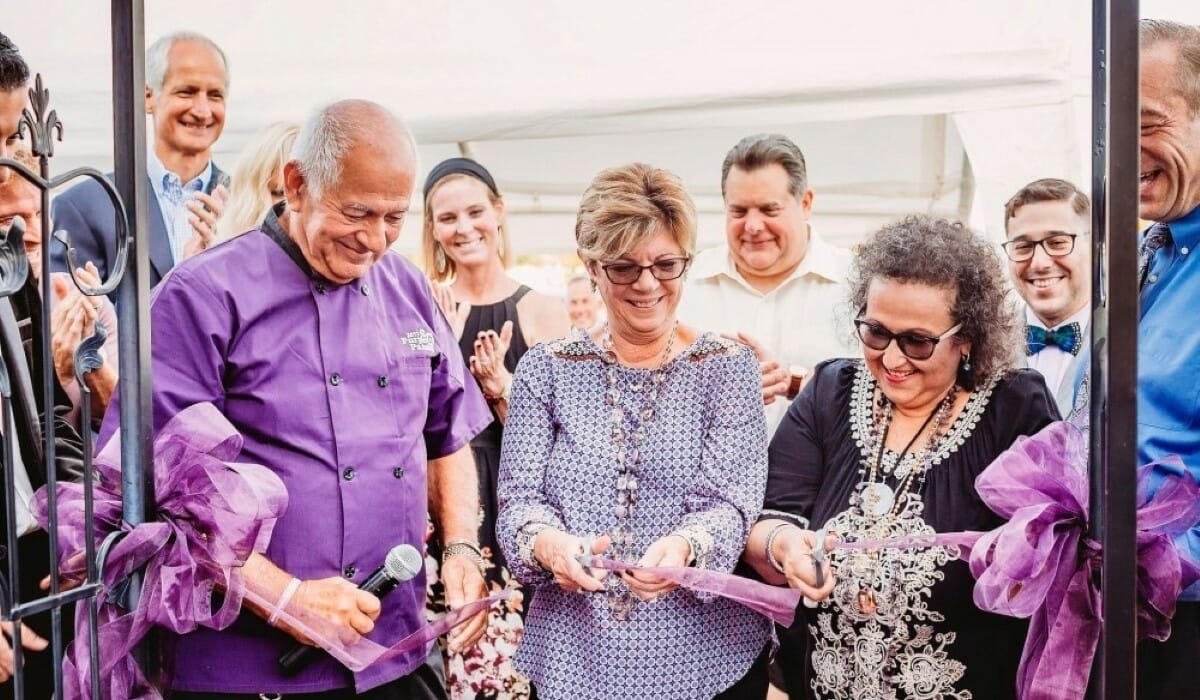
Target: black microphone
{"x":401,"y":564}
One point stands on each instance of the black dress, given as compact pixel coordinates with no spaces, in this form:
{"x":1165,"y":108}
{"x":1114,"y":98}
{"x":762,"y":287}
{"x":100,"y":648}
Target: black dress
{"x":485,"y":670}
{"x":486,"y":445}
{"x":913,"y":631}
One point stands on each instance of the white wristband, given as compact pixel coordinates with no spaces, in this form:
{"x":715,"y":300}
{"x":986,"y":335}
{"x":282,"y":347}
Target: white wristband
{"x":284,"y":599}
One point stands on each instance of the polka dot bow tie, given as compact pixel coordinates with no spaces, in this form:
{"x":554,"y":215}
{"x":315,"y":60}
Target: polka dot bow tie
{"x":1067,"y":338}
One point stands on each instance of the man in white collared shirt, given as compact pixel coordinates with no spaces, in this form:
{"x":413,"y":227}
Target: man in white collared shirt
{"x":1046,"y":223}
{"x":774,"y":284}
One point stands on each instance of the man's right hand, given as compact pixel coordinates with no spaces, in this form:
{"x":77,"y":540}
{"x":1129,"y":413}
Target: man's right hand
{"x":334,"y":607}
{"x":30,"y":641}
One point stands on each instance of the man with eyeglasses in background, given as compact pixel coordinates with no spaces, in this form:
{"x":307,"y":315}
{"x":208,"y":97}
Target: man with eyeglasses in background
{"x":1046,"y":223}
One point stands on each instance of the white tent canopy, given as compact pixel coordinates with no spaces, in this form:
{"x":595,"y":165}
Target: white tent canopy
{"x":942,"y":107}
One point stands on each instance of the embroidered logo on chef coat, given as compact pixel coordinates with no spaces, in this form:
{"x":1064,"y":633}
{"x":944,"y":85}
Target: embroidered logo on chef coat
{"x":420,"y":341}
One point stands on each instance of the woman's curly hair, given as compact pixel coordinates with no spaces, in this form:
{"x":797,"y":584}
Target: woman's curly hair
{"x":948,"y":255}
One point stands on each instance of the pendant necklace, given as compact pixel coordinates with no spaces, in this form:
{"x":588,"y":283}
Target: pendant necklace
{"x":880,"y":503}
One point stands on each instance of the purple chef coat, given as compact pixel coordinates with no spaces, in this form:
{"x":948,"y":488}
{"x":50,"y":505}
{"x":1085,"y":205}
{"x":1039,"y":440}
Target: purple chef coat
{"x":344,"y":391}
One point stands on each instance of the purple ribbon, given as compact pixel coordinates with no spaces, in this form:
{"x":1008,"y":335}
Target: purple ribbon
{"x":358,"y":652}
{"x":212,"y":513}
{"x":776,"y":603}
{"x":1040,"y":564}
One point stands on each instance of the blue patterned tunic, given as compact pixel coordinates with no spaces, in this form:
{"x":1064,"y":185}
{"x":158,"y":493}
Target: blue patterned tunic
{"x":703,"y":470}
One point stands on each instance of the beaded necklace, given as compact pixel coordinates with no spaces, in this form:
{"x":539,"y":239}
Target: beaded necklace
{"x":627,"y":454}
{"x":881,"y":505}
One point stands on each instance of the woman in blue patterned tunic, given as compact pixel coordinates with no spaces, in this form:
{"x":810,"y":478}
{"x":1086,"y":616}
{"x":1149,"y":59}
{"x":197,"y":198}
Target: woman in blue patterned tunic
{"x":890,"y":445}
{"x":643,"y":441}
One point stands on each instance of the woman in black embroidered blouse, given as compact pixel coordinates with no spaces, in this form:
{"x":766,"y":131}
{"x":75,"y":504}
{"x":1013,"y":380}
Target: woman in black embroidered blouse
{"x":890,"y":445}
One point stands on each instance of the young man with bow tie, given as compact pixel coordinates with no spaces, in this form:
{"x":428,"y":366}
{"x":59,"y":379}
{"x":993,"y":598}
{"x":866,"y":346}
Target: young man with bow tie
{"x":1047,"y":223}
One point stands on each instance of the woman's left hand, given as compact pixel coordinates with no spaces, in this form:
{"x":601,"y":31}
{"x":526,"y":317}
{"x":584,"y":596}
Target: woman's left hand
{"x":487,"y":364}
{"x":671,"y":550}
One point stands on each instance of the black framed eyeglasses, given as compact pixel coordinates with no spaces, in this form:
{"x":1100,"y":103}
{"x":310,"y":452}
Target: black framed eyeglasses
{"x":1056,"y":245}
{"x":914,"y":345}
{"x":663,"y":270}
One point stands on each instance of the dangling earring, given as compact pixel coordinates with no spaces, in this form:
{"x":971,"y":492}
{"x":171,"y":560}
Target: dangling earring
{"x":500,"y":241}
{"x":966,"y":363}
{"x":439,"y":259}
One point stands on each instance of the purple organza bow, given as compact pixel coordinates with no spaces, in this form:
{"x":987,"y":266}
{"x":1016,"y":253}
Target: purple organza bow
{"x":1040,"y":564}
{"x":212,"y":513}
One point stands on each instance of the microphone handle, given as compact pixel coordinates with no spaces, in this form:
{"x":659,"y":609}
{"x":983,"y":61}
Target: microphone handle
{"x":299,"y":656}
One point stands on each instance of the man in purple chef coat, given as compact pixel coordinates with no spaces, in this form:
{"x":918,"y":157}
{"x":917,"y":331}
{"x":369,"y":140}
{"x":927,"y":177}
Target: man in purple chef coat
{"x":327,"y":352}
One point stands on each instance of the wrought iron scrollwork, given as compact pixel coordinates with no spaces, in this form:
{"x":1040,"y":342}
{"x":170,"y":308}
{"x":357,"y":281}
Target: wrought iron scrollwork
{"x":14,"y":264}
{"x":87,"y":354}
{"x":41,"y":124}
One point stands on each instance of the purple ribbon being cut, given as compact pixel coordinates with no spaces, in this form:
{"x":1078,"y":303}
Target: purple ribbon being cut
{"x":211,"y":514}
{"x":358,"y":653}
{"x":1040,"y":564}
{"x":775,"y":602}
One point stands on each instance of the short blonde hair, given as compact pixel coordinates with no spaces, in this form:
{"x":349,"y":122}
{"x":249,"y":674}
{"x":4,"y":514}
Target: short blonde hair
{"x":429,"y":245}
{"x":626,"y":206}
{"x":249,"y":191}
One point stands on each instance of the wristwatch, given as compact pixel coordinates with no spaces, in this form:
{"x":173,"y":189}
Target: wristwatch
{"x":798,"y":374}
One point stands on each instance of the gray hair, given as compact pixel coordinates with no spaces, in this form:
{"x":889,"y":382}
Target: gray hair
{"x":158,"y":55}
{"x":577,"y":279}
{"x":328,"y":134}
{"x":760,"y":150}
{"x":947,"y":255}
{"x":1186,"y":40}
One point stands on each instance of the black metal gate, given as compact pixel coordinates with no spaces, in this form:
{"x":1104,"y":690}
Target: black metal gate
{"x":40,"y":125}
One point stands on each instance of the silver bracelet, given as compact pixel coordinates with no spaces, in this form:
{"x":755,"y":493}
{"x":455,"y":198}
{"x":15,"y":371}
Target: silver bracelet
{"x":466,"y":548}
{"x":525,"y":537}
{"x":771,"y":535}
{"x":699,"y":541}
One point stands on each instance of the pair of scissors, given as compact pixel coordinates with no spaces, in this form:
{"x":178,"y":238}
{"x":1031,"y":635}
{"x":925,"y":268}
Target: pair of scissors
{"x":818,"y":556}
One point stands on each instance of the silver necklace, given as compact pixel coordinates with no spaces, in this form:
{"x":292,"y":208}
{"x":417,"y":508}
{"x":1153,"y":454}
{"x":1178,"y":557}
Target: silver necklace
{"x":627,"y":454}
{"x":880,"y":504}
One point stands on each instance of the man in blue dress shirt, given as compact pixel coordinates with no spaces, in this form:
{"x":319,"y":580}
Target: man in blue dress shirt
{"x":1168,"y":339}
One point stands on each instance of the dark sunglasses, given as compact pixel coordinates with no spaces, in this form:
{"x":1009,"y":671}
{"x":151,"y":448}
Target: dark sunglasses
{"x":663,"y":270}
{"x":914,"y":345}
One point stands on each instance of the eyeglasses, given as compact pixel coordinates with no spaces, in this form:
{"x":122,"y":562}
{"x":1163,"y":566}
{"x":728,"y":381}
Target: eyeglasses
{"x":1056,"y":245}
{"x":913,"y":345}
{"x":663,"y":270}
